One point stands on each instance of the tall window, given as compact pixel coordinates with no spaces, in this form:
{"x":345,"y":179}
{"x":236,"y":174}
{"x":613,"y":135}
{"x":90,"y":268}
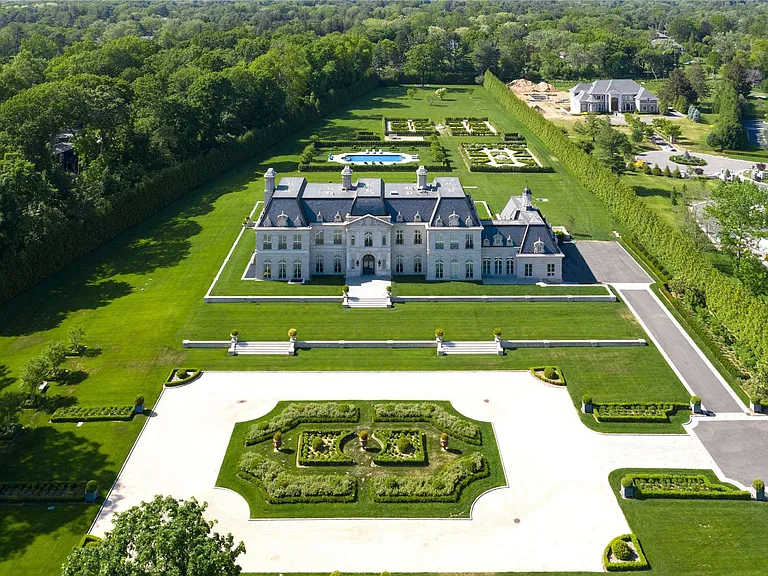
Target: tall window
{"x":454,"y":269}
{"x":469,"y":241}
{"x":337,"y":264}
{"x":369,"y":238}
{"x":297,"y":244}
{"x":297,"y":268}
{"x":454,"y":241}
{"x":337,"y":236}
{"x":383,"y":239}
{"x":266,"y":242}
{"x":469,"y":269}
{"x":398,"y":237}
{"x":351,"y":239}
{"x":399,"y":264}
{"x":510,"y":266}
{"x":497,"y":266}
{"x":439,"y":269}
{"x":319,"y":265}
{"x":417,"y":236}
{"x":282,"y":241}
{"x":528,"y":270}
{"x":550,"y":269}
{"x":439,"y":243}
{"x":267,"y":269}
{"x":417,"y":264}
{"x":486,"y":266}
{"x":318,"y":237}
{"x":282,"y":270}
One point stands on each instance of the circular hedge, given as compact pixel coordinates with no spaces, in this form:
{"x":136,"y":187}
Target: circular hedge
{"x":688,"y":160}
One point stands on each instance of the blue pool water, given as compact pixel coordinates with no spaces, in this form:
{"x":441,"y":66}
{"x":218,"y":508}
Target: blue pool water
{"x":373,"y":157}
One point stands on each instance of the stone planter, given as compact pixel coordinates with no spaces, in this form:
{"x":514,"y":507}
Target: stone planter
{"x":138,"y":409}
{"x":628,"y":492}
{"x":586,"y":408}
{"x":496,"y":338}
{"x":756,"y":407}
{"x":695,"y":408}
{"x":292,"y":339}
{"x":759,"y":494}
{"x":91,"y":496}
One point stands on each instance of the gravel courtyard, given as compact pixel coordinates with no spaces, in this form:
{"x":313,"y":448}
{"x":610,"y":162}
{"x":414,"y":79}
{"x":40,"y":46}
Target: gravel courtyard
{"x":557,"y":497}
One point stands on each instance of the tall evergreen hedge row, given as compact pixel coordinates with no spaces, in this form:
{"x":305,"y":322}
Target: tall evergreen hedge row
{"x":745,"y":316}
{"x":75,"y":238}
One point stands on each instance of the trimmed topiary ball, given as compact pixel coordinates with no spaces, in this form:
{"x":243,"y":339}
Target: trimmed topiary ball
{"x":404,"y":445}
{"x":317,"y":444}
{"x":550,"y":373}
{"x":91,"y":486}
{"x":621,"y":550}
{"x":758,"y":484}
{"x":587,"y":399}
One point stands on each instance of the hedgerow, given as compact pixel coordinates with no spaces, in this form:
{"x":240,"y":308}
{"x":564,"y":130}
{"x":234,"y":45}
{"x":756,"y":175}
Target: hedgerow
{"x":49,"y":491}
{"x":93,"y":414}
{"x":744,"y":315}
{"x":445,"y":485}
{"x":652,"y":412}
{"x":432,"y":413}
{"x":683,"y":486}
{"x":281,"y":487}
{"x":295,"y":414}
{"x":400,"y":447}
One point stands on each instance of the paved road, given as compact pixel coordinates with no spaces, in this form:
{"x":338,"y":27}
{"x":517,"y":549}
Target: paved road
{"x":598,"y":261}
{"x":740,"y":448}
{"x":695,"y":371}
{"x":715,"y":164}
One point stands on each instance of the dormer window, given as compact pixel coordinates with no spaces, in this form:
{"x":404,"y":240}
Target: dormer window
{"x":453,"y":219}
{"x":498,"y":239}
{"x":417,"y":217}
{"x":337,"y":217}
{"x":538,"y":247}
{"x":486,"y":243}
{"x":319,"y":217}
{"x":282,"y":219}
{"x":399,"y":217}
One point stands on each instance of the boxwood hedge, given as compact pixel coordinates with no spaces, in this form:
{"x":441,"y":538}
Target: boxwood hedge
{"x":390,"y":454}
{"x":295,"y":414}
{"x":652,"y":412}
{"x":683,"y":486}
{"x":47,"y":491}
{"x":640,"y":563}
{"x":331,"y":456}
{"x":432,"y":413}
{"x":93,"y":414}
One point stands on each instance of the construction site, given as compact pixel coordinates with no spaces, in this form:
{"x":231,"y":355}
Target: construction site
{"x":545,"y":98}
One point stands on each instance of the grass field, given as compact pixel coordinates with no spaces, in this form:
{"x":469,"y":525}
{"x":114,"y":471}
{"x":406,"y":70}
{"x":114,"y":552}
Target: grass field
{"x":141,"y":294}
{"x":364,"y":506}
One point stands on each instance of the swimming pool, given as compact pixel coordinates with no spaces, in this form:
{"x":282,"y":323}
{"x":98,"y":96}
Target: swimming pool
{"x":373,"y":157}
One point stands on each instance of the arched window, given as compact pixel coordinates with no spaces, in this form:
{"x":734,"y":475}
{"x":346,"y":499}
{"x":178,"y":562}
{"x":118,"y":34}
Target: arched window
{"x":297,"y":268}
{"x":510,"y":266}
{"x":369,"y":238}
{"x":469,"y":269}
{"x":337,"y":264}
{"x":267,"y":269}
{"x":319,"y":265}
{"x":439,"y":269}
{"x":383,"y":239}
{"x":282,"y":270}
{"x":351,"y":239}
{"x":454,"y":269}
{"x":399,"y":264}
{"x":486,"y":266}
{"x":319,"y":237}
{"x":417,"y":264}
{"x":497,"y":266}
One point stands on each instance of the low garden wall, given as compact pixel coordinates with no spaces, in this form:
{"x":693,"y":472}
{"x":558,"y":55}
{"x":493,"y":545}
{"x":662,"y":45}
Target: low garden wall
{"x":508,"y":344}
{"x":500,"y":298}
{"x":570,"y":343}
{"x":262,"y":299}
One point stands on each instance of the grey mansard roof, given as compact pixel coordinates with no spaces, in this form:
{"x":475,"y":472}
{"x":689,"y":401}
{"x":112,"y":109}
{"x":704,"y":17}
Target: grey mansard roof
{"x":585,"y":91}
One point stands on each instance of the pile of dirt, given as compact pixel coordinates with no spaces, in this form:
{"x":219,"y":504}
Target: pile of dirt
{"x":526,"y":86}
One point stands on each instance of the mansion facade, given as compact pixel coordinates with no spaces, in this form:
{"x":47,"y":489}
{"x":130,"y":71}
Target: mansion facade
{"x":373,"y":228}
{"x":612,"y":96}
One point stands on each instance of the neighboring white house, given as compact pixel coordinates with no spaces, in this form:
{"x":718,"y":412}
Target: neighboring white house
{"x":612,"y":96}
{"x":418,"y":228}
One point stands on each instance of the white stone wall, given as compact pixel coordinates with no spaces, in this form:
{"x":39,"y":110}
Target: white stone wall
{"x":539,"y":267}
{"x":288,"y":255}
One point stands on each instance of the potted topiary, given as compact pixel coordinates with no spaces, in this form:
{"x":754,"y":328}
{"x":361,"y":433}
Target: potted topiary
{"x":277,"y":441}
{"x":695,"y":404}
{"x":233,"y":335}
{"x":627,"y":487}
{"x":292,"y":334}
{"x":497,"y":334}
{"x":444,"y":441}
{"x":138,"y":404}
{"x":755,"y":402}
{"x":91,"y":491}
{"x":439,"y":333}
{"x":389,"y":290}
{"x":345,"y":289}
{"x":759,"y":488}
{"x":363,"y":436}
{"x":586,"y":404}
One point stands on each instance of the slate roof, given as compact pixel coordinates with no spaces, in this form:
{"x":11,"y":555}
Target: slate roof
{"x":584,"y":91}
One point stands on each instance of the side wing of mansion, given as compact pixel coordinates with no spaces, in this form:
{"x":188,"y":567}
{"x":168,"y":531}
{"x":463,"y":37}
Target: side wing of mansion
{"x":370,"y":227}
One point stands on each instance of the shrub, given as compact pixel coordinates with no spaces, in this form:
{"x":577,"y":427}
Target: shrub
{"x":182,"y":373}
{"x":317,"y":444}
{"x":89,"y":540}
{"x":46,"y":491}
{"x":139,"y":401}
{"x":586,"y":399}
{"x":439,"y":333}
{"x":688,"y":160}
{"x":389,"y":289}
{"x":427,"y":412}
{"x":323,"y":448}
{"x":400,"y":447}
{"x":277,"y":437}
{"x":639,"y":563}
{"x":295,"y":414}
{"x":684,"y":486}
{"x":550,"y":373}
{"x":626,"y":482}
{"x":444,"y":437}
{"x":363,"y":435}
{"x":404,"y":445}
{"x":175,"y":378}
{"x":638,"y":412}
{"x":345,"y":288}
{"x":695,"y":400}
{"x":91,"y":486}
{"x":234,"y":333}
{"x":497,"y":331}
{"x":292,"y":333}
{"x":93,"y":413}
{"x":621,"y":550}
{"x":758,"y":484}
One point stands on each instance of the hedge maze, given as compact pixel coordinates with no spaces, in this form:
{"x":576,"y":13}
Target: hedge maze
{"x":385,"y":453}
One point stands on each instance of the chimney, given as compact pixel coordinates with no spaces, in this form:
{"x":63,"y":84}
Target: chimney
{"x":421,"y":178}
{"x":269,"y":185}
{"x":346,"y":178}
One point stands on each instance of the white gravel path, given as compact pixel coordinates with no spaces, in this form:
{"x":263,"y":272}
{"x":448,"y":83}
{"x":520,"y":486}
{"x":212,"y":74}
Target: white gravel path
{"x":556,"y":470}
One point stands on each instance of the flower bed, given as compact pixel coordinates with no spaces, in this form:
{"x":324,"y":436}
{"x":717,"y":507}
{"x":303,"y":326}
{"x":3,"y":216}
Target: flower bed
{"x":432,"y":413}
{"x":51,"y":491}
{"x":683,"y":486}
{"x":409,"y":126}
{"x":93,"y":414}
{"x":295,"y":414}
{"x":688,"y":160}
{"x":500,"y":157}
{"x":549,"y":374}
{"x":330,"y":454}
{"x":179,"y":376}
{"x":445,"y":485}
{"x":652,"y":412}
{"x":281,"y":487}
{"x":637,"y":560}
{"x":411,"y":441}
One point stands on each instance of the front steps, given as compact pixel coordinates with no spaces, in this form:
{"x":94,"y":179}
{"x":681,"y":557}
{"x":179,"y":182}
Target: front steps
{"x":263,"y":348}
{"x":492,"y":347}
{"x":358,"y":302}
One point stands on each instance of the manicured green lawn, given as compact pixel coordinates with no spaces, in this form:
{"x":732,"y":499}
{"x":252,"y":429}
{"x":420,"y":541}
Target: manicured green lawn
{"x":364,"y":506}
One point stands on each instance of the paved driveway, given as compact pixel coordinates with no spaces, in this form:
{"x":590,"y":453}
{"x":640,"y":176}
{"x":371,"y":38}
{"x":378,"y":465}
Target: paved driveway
{"x":715,"y":164}
{"x":682,"y":355}
{"x":556,"y":471}
{"x":740,"y":448}
{"x":598,"y":261}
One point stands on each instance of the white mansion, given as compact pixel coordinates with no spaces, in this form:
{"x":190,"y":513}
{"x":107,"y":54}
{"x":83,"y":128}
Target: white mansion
{"x":612,"y":96}
{"x":372,"y":228}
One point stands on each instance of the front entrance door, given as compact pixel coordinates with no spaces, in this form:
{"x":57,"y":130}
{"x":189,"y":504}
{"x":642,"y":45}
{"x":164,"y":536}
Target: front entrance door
{"x":614,"y":104}
{"x":369,"y":265}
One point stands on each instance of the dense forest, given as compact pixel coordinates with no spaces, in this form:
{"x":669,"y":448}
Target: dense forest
{"x":98,"y":99}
